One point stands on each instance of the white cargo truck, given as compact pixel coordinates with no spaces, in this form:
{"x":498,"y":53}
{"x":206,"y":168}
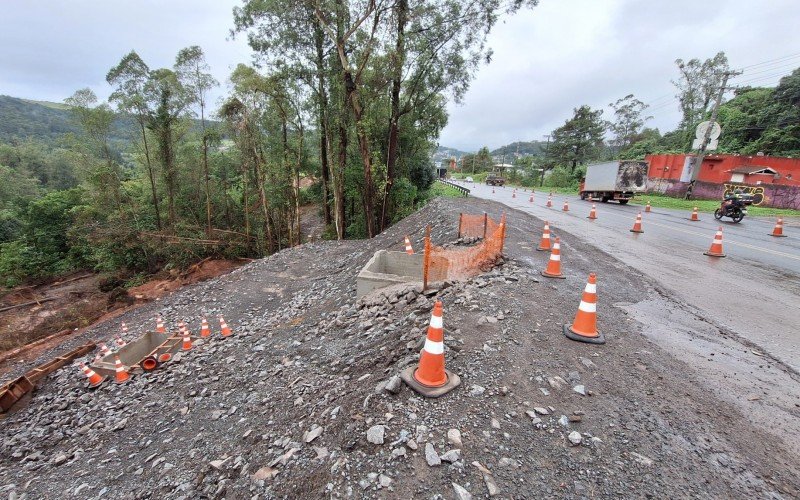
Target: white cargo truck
{"x":614,"y":180}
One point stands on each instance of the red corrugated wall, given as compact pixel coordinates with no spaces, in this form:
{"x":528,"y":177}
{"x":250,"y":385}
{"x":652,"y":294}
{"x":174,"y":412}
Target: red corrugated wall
{"x":716,"y":168}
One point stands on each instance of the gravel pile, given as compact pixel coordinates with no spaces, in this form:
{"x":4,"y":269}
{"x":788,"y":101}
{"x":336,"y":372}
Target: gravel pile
{"x":305,"y":399}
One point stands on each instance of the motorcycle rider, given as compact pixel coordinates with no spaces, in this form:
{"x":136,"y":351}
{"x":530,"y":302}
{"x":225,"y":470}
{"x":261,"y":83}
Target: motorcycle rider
{"x":732,"y":200}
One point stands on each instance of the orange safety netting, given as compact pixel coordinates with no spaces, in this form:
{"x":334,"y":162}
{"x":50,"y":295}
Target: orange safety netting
{"x":460,"y":262}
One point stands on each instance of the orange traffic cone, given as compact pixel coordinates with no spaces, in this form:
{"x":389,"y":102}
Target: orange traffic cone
{"x":226,"y":331}
{"x":104,"y":350}
{"x":637,"y":226}
{"x":119,"y":341}
{"x":409,"y":248}
{"x":160,"y":325}
{"x":530,"y":199}
{"x":554,"y":264}
{"x":121,"y":376}
{"x":593,"y":212}
{"x":778,"y":231}
{"x":430,"y":378}
{"x":187,"y":337}
{"x":549,"y":201}
{"x":91,"y":375}
{"x":492,"y":190}
{"x":124,"y":329}
{"x":584,"y":327}
{"x":647,"y":207}
{"x":566,"y":206}
{"x":514,"y":193}
{"x":205,"y":331}
{"x":545,"y":243}
{"x":716,"y":245}
{"x":694,"y":217}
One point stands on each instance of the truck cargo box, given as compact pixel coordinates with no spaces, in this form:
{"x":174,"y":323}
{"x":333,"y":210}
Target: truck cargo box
{"x":616,"y":176}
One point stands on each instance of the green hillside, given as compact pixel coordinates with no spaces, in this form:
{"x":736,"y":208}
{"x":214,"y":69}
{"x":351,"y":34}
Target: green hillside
{"x":532,"y":148}
{"x":22,"y":119}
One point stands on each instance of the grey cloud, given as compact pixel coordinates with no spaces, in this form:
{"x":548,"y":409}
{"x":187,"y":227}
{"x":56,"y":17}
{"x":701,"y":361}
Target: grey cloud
{"x":547,"y":61}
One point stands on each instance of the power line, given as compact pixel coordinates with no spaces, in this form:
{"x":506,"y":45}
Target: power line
{"x":783,"y":58}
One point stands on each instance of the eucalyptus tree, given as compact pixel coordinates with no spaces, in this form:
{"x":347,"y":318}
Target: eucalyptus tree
{"x":580,"y":139}
{"x":96,"y":122}
{"x":193,"y":73}
{"x":628,"y":120}
{"x":699,"y":82}
{"x":130,"y":78}
{"x":167,"y":100}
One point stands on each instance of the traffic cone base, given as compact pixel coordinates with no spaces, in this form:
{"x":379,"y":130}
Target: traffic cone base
{"x":544,"y":243}
{"x":716,"y":245}
{"x":121,"y":374}
{"x":430,"y":378}
{"x":572,"y":335}
{"x":92,"y":376}
{"x":778,"y":230}
{"x":452,"y":382}
{"x":637,"y":226}
{"x":553,"y":269}
{"x":584,"y":327}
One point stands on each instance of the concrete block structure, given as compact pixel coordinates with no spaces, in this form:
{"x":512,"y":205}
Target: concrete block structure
{"x":387,"y":268}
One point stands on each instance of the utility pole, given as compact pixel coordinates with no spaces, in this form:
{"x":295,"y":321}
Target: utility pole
{"x":701,"y":153}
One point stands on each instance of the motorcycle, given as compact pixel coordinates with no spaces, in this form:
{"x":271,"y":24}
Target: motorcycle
{"x":733,"y":206}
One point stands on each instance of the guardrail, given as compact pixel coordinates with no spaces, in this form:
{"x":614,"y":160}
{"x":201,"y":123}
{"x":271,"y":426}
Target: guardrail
{"x":462,"y":189}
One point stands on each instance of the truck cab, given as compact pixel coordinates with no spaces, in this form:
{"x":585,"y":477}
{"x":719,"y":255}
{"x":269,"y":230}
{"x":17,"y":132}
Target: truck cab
{"x":495,"y":178}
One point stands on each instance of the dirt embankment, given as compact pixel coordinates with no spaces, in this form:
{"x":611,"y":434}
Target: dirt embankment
{"x":36,"y":318}
{"x":301,"y":402}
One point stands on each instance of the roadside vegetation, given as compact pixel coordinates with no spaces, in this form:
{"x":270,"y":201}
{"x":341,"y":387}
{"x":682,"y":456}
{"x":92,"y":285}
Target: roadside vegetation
{"x":341,"y":108}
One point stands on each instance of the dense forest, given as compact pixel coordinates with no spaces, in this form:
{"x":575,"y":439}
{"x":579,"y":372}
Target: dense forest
{"x":341,"y":107}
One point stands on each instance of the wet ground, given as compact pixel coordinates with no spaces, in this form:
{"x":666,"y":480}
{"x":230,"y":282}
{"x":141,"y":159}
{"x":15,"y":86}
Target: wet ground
{"x":752,"y":294}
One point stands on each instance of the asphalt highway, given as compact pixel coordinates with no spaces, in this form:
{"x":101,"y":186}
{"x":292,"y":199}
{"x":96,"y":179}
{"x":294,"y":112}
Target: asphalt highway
{"x":754,"y":292}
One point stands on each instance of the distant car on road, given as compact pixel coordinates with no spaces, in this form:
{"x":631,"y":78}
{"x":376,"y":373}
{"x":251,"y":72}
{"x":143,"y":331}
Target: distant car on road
{"x":469,"y":179}
{"x":495,"y":179}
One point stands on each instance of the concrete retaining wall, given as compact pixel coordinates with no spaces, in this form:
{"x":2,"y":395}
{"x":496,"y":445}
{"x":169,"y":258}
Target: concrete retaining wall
{"x":387,"y":268}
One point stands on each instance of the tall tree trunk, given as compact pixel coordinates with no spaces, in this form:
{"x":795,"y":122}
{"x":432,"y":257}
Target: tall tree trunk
{"x":205,"y":169}
{"x":363,"y":148}
{"x":338,"y":195}
{"x":170,"y":176}
{"x":324,"y":136}
{"x":151,"y":174}
{"x":394,"y":119}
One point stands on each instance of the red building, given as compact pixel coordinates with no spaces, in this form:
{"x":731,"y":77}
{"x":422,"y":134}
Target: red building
{"x":774,"y":181}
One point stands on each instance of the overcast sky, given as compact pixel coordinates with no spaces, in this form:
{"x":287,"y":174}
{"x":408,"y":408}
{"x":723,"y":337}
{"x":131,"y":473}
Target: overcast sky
{"x":547,"y":61}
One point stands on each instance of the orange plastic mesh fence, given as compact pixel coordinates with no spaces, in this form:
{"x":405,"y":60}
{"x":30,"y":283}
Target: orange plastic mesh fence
{"x":460,"y":262}
{"x":476,"y":226}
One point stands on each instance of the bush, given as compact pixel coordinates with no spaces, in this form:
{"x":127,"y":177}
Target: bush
{"x":404,"y":196}
{"x":18,"y":262}
{"x":561,"y":177}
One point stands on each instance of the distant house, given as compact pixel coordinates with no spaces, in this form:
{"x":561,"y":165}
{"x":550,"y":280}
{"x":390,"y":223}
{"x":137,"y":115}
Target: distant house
{"x":753,"y":174}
